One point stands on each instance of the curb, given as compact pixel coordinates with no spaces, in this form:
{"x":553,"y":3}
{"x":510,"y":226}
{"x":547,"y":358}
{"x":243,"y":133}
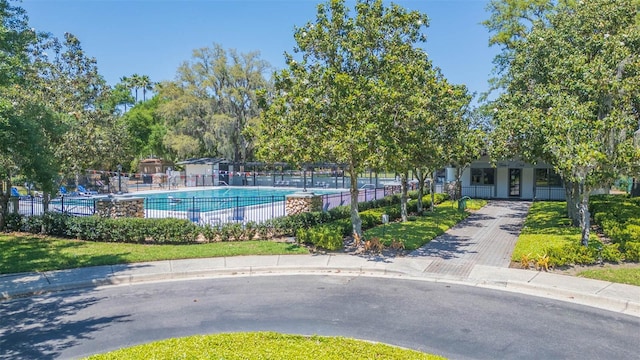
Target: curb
{"x":627,"y":307}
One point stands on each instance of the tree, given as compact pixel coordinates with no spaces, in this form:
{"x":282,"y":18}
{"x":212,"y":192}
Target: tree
{"x":84,"y":101}
{"x":146,"y":129}
{"x":212,"y":105}
{"x":146,"y":85}
{"x":27,"y":125}
{"x":331,"y":105}
{"x":572,"y":80}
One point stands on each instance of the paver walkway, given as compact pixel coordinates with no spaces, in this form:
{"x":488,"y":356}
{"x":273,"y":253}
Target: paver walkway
{"x":486,"y":237}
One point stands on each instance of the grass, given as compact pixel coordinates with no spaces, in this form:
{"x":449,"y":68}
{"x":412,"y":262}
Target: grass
{"x":629,"y":276}
{"x":546,"y":226}
{"x":264,"y":345}
{"x":26,"y":253}
{"x":423,"y":229}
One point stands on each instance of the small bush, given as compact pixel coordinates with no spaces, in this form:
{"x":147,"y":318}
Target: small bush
{"x":324,"y":236}
{"x":32,"y":224}
{"x":632,"y":251}
{"x":13,"y":222}
{"x":574,"y":253}
{"x":55,"y":224}
{"x":611,"y":253}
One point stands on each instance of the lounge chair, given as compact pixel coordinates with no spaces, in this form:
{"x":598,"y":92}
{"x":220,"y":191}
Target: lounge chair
{"x":102,"y":186}
{"x":16,"y":193}
{"x":63,"y":192}
{"x":83,"y":191}
{"x":238,"y":214}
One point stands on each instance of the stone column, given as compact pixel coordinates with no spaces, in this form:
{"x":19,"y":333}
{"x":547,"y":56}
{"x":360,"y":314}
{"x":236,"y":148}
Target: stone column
{"x":302,"y":202}
{"x":118,"y":207}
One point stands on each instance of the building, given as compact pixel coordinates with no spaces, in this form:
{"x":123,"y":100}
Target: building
{"x":207,"y":171}
{"x":512,"y":179}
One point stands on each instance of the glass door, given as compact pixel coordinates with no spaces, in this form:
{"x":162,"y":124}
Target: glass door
{"x":514,"y":182}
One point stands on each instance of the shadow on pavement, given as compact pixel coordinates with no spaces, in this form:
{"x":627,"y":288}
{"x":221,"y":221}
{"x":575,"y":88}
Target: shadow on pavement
{"x":33,"y":328}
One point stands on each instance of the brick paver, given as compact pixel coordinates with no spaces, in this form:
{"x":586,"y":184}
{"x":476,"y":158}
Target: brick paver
{"x":486,"y":237}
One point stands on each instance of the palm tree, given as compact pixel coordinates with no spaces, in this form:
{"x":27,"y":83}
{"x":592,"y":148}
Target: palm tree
{"x":146,"y":85}
{"x":136,"y":83}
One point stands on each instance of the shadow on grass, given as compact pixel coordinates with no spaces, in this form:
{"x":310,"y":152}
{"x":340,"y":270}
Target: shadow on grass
{"x":42,"y":327}
{"x":32,"y":254}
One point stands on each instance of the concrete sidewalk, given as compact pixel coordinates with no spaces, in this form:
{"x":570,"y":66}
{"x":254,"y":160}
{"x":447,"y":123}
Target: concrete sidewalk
{"x":601,"y":294}
{"x":476,"y":252}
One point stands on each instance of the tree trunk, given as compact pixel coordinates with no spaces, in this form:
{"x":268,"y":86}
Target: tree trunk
{"x":4,"y":202}
{"x":635,"y":188}
{"x":403,"y":196}
{"x":432,"y":191}
{"x":422,"y":177}
{"x":355,"y":216}
{"x":585,"y":216}
{"x":572,"y":191}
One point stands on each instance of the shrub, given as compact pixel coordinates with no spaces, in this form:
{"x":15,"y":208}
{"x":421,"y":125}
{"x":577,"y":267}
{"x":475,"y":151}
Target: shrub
{"x":574,"y":253}
{"x":250,"y":230}
{"x":324,"y":236}
{"x":86,"y":228}
{"x":611,"y":253}
{"x":55,"y":224}
{"x":210,"y":232}
{"x":13,"y":222}
{"x":32,"y":224}
{"x":632,"y":251}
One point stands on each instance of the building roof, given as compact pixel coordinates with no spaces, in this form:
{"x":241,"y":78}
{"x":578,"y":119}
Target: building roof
{"x":202,"y":161}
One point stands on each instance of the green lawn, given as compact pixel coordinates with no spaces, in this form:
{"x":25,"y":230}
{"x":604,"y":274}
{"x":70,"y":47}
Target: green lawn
{"x":25,"y":252}
{"x":629,"y":276}
{"x":264,"y":345}
{"x":424,"y":228}
{"x":546,"y":226}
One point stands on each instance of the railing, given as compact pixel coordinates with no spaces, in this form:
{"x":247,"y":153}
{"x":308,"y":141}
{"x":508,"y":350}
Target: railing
{"x":479,"y":192}
{"x":549,"y":193}
{"x":78,"y":206}
{"x":199,"y":210}
{"x":217,"y":211}
{"x":331,"y":201}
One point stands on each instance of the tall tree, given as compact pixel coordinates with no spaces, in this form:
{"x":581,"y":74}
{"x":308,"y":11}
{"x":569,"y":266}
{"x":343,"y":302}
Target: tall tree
{"x":146,"y":129}
{"x":572,"y":80}
{"x":212,"y":105}
{"x":146,"y":85}
{"x":331,"y":104}
{"x":28,"y":127}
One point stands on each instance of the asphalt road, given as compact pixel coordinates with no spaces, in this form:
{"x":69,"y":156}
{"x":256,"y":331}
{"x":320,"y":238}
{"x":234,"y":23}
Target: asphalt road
{"x":456,"y":321}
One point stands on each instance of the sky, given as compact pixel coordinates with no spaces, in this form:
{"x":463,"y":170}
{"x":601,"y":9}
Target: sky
{"x":153,"y":37}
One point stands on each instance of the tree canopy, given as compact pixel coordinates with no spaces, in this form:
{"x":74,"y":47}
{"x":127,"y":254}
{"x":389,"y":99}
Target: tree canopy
{"x":570,"y":71}
{"x":211,"y":107}
{"x":338,"y":98}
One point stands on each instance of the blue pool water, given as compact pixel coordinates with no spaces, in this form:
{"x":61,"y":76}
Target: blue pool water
{"x":217,"y":198}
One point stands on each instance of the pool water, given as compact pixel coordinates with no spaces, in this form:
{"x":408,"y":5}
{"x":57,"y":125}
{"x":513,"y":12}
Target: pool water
{"x":217,"y":198}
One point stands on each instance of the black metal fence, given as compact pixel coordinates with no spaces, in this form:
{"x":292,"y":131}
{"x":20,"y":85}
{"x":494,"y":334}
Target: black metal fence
{"x":29,"y":206}
{"x":200,"y":210}
{"x":217,"y":211}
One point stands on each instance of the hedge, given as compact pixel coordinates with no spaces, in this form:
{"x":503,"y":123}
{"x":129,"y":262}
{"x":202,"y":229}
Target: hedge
{"x":181,"y":231}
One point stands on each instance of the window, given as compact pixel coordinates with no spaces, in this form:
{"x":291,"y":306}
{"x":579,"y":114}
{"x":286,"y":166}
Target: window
{"x":440,"y":176}
{"x":484,"y":176}
{"x":547,"y":177}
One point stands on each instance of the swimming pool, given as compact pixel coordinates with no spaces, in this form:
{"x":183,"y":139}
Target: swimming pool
{"x":216,"y":198}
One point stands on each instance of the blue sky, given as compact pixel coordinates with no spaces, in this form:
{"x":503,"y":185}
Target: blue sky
{"x":153,"y":37}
